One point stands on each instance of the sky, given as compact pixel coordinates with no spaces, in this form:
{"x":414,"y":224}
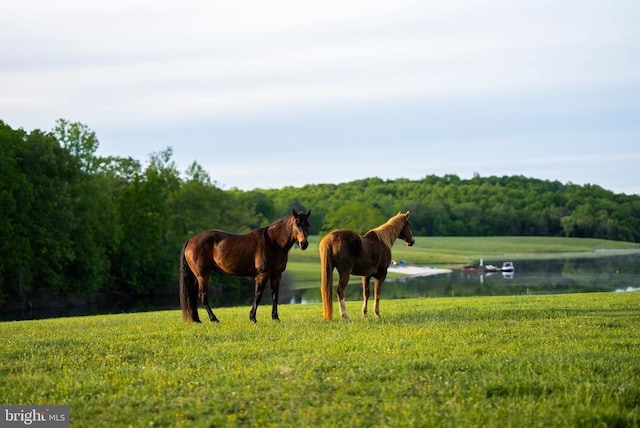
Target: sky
{"x":288,"y":93}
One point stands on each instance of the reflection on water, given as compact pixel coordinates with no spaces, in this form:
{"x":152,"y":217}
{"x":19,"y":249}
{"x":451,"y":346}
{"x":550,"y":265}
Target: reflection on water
{"x":575,"y":275}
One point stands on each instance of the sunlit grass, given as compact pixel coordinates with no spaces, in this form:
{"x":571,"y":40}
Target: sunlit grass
{"x":564,"y":360}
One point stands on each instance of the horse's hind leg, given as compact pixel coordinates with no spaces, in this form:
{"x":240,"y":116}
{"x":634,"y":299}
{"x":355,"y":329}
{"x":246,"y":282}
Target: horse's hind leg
{"x":365,"y":294}
{"x":342,"y":284}
{"x":203,"y":294}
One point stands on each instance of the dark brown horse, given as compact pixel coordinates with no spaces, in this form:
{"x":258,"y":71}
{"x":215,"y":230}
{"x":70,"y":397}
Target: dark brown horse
{"x":261,"y":253}
{"x":368,"y":255}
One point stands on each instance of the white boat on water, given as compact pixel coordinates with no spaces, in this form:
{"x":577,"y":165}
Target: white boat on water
{"x":507,"y":267}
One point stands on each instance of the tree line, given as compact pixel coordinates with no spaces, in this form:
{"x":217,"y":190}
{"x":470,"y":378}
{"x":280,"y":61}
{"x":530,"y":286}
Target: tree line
{"x":73,"y":223}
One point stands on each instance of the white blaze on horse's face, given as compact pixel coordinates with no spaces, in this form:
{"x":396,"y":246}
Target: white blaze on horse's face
{"x":301,"y":228}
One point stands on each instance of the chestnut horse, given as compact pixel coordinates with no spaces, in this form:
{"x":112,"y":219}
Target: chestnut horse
{"x":261,"y":253}
{"x":368,"y":255}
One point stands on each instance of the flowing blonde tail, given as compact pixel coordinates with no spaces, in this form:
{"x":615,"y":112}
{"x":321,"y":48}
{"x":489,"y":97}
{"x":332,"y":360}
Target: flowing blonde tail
{"x":326,"y":286}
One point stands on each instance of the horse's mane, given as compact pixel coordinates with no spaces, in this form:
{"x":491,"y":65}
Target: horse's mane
{"x":388,"y":232}
{"x":277,"y":223}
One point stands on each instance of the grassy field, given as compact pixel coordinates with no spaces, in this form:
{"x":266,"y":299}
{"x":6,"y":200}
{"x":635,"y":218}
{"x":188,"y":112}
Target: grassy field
{"x":561,"y":360}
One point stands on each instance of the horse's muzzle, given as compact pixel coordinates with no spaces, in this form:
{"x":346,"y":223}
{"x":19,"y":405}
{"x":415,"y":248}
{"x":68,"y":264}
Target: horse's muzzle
{"x":303,"y":244}
{"x":410,"y":243}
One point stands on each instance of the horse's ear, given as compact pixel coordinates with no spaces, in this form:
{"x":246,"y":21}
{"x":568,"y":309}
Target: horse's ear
{"x":399,"y":212}
{"x":297,"y":214}
{"x":408,"y":213}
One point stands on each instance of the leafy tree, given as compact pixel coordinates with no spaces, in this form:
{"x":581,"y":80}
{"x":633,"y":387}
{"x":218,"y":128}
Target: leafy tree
{"x":356,"y":216}
{"x":42,"y":215}
{"x":16,"y":196}
{"x":57,"y":220}
{"x":199,"y":205}
{"x":145,"y":258}
{"x":93,"y":231}
{"x":81,"y":143}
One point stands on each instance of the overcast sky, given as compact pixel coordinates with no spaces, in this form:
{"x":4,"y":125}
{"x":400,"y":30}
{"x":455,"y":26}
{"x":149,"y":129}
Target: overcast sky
{"x":275,"y":93}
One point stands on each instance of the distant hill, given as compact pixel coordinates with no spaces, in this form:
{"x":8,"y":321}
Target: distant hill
{"x":480,"y":206}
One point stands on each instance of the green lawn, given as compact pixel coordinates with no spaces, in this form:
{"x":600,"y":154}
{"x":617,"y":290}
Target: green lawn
{"x":549,"y":361}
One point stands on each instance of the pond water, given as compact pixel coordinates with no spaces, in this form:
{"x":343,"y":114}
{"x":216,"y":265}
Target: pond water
{"x":576,"y":274}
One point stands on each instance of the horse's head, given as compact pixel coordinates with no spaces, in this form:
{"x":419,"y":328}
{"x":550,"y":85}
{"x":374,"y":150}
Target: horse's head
{"x":405,"y":234}
{"x":301,"y":226}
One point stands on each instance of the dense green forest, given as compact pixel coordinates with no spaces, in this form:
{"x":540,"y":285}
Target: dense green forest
{"x":76,"y":224}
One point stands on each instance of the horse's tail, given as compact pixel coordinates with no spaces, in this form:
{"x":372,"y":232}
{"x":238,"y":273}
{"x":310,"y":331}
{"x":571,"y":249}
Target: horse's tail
{"x":188,"y":290}
{"x":326,"y":285}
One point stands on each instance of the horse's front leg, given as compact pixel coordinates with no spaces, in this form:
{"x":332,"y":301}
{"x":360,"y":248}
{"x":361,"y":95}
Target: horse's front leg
{"x":377,"y":291}
{"x":275,"y":285}
{"x":365,"y":294}
{"x":342,"y":284}
{"x":260,"y":281}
